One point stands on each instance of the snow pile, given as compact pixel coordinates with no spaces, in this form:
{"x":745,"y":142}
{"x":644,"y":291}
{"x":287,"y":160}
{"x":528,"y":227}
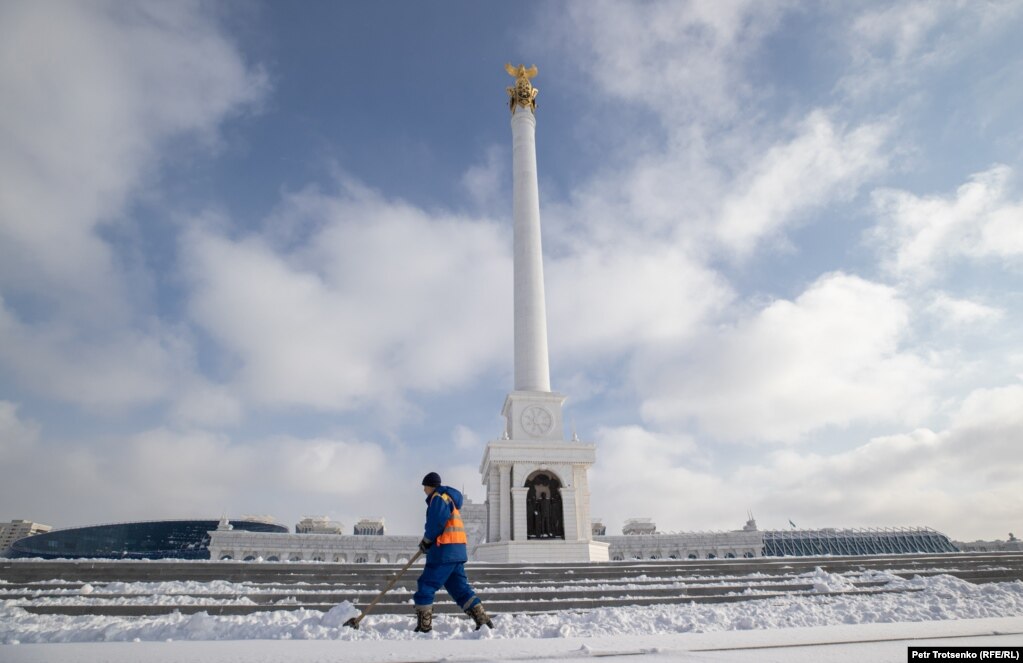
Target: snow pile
{"x":179,"y":587}
{"x":339,"y":614}
{"x":824,"y":582}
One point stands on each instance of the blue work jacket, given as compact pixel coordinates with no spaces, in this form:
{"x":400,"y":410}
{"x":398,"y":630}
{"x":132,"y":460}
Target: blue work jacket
{"x":438,"y":512}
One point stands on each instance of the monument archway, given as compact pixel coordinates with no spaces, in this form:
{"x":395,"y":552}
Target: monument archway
{"x":545,"y":513}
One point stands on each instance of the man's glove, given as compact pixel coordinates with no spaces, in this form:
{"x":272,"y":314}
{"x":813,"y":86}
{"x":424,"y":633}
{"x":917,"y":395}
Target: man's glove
{"x":424,"y":545}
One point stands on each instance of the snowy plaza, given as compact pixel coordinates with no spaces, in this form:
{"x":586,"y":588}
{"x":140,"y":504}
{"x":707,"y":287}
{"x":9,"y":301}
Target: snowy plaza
{"x":827,"y":620}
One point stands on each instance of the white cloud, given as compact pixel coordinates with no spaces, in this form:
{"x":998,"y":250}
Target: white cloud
{"x":922,"y":235}
{"x":362,"y":301}
{"x":821,"y":165}
{"x":896,"y":45}
{"x":987,"y":412}
{"x":611,"y":300}
{"x":640,"y":473}
{"x":956,"y":312}
{"x":832,"y":357}
{"x":338,"y":468}
{"x":93,"y":94}
{"x":681,"y":59}
{"x":117,"y":368}
{"x":352,"y":300}
{"x":632,"y":246}
{"x":487,"y":182}
{"x":690,"y":194}
{"x":153,"y":474}
{"x":199,"y":402}
{"x":170,"y":472}
{"x":466,"y":439}
{"x":895,"y":33}
{"x":886,"y":479}
{"x":80,"y":139}
{"x":664,"y":181}
{"x":17,"y":437}
{"x":378,"y":300}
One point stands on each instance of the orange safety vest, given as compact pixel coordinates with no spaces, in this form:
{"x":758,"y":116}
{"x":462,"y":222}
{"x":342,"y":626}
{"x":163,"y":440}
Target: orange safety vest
{"x":454,"y":529}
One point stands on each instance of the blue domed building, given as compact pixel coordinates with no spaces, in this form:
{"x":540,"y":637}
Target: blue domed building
{"x":156,"y":539}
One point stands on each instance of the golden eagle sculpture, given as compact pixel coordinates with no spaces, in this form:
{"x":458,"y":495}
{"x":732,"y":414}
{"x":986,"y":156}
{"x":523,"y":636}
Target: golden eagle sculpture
{"x":522,"y":93}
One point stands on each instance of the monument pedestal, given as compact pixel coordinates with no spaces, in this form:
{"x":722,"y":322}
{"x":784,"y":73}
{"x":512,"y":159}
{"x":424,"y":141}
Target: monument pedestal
{"x":538,"y":494}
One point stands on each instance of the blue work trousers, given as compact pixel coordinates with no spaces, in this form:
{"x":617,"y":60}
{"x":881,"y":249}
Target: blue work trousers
{"x":450,"y":576}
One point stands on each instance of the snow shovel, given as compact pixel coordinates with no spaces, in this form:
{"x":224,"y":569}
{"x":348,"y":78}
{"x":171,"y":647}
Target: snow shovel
{"x":354,"y":621}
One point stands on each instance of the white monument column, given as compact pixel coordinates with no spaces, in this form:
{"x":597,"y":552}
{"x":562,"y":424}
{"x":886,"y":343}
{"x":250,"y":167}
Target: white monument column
{"x":571,"y":515}
{"x":519,"y":513}
{"x":532,"y":371}
{"x":493,"y":502}
{"x":532,"y":456}
{"x":505,"y":510}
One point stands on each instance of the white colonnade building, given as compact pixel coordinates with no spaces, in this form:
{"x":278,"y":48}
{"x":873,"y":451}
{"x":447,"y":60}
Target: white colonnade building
{"x":239,"y":545}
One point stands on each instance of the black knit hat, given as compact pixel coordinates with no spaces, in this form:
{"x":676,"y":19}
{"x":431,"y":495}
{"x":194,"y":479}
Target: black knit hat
{"x":432,"y":479}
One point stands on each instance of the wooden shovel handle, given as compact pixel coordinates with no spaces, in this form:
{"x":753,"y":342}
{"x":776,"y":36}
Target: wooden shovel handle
{"x":390,"y":585}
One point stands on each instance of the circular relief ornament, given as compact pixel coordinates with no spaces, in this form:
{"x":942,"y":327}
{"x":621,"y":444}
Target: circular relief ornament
{"x":536,"y":420}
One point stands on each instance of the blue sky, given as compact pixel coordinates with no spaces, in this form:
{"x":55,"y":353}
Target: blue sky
{"x":257,"y":260}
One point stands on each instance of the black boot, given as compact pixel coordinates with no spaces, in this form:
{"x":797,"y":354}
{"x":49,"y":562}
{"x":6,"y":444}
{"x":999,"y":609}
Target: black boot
{"x":479,"y":615}
{"x":424,"y":618}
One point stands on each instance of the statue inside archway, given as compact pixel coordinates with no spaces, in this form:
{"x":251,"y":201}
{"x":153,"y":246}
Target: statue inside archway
{"x":544,"y":511}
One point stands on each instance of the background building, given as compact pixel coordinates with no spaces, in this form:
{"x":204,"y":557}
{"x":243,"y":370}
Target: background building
{"x":160,"y":539}
{"x":870,"y":541}
{"x":644,"y":542}
{"x":635,"y":526}
{"x":232,"y":544}
{"x":1012,"y":544}
{"x":19,"y":529}
{"x":369,"y":527}
{"x":750,"y":542}
{"x":318,"y":525}
{"x":641,"y":540}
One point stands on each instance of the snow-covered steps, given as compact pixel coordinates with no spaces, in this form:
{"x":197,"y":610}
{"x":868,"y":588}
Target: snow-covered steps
{"x":132,"y":588}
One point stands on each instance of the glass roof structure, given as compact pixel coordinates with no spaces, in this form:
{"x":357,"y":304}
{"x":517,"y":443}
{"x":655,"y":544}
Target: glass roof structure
{"x":782,"y":543}
{"x":159,"y":539}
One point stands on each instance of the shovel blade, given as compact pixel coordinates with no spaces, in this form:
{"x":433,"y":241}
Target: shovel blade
{"x":353,"y":622}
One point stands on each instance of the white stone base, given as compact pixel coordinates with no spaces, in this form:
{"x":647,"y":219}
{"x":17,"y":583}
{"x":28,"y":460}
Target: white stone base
{"x":542,"y":551}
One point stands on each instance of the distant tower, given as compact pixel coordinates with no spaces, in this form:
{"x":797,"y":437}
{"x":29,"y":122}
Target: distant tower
{"x":538,"y":497}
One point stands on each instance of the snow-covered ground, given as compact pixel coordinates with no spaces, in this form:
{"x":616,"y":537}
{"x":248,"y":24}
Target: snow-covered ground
{"x":940,"y":605}
{"x":876,"y":643}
